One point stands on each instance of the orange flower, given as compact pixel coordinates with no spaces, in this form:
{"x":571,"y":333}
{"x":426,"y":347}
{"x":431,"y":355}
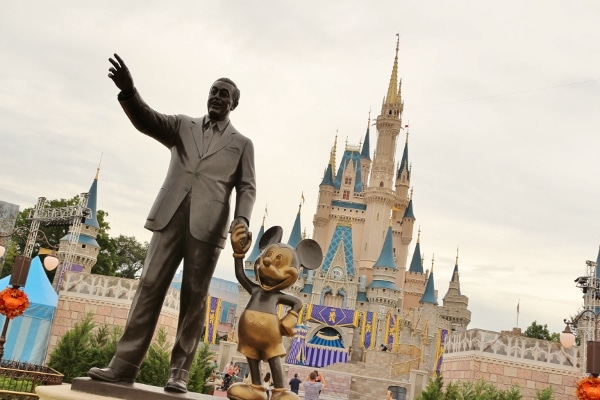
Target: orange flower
{"x":13,"y":302}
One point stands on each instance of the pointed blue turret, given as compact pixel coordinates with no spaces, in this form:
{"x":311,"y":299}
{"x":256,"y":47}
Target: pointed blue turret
{"x":386,"y":258}
{"x":327,"y":177}
{"x":404,"y":167}
{"x":455,"y":277}
{"x":382,"y":279}
{"x":429,"y":295}
{"x":296,"y":234}
{"x":416,"y":264}
{"x":92,"y":203}
{"x":598,"y":264}
{"x":409,"y":213}
{"x":365,"y":152}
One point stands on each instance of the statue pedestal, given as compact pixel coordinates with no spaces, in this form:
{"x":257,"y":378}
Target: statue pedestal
{"x":86,"y":388}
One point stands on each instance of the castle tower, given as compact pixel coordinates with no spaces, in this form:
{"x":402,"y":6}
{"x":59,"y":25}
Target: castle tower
{"x":86,"y":252}
{"x":455,"y":309}
{"x":365,"y":155}
{"x":379,"y":194}
{"x":382,"y":291}
{"x":415,"y":279}
{"x":321,"y":218}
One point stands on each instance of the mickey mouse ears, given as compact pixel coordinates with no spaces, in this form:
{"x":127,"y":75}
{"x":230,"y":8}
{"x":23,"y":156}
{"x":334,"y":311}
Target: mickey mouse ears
{"x":272,"y":235}
{"x":308,"y":251}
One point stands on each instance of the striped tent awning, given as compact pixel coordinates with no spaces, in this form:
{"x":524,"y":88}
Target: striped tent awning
{"x":323,"y":350}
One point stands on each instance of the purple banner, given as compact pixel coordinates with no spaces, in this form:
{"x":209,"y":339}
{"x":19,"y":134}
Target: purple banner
{"x":368,"y":329}
{"x":333,"y":316}
{"x":212,"y":322}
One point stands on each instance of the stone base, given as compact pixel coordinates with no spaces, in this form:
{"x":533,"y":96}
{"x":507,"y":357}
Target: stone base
{"x":95,"y":390}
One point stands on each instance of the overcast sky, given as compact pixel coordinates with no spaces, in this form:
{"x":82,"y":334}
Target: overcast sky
{"x":502,"y":99}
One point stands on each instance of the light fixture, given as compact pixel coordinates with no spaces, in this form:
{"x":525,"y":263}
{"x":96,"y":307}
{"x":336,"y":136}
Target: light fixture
{"x":567,"y":338}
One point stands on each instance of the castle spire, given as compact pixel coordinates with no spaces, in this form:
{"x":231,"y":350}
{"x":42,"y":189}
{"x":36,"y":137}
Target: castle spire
{"x":429,"y":295}
{"x":296,"y":234}
{"x":393,"y":86}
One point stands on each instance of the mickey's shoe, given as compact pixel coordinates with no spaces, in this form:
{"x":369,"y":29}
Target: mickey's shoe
{"x":283,"y":394}
{"x":244,"y":391}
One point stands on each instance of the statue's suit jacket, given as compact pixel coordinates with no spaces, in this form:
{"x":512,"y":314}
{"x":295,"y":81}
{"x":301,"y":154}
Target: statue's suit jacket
{"x":209,"y":178}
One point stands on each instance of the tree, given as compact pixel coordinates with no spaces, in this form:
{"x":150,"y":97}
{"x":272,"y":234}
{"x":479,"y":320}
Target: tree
{"x":538,"y":331}
{"x":480,"y":390}
{"x":201,"y":369}
{"x":128,"y":256}
{"x":155,"y":367}
{"x":82,"y":347}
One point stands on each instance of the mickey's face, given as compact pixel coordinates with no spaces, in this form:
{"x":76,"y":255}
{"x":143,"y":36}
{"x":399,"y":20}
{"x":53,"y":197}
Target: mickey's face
{"x":276,"y":268}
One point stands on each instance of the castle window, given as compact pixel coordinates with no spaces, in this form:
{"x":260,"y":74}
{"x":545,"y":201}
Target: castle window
{"x":348,"y":180}
{"x":83,"y":246}
{"x":381,"y":184}
{"x":346,"y":195}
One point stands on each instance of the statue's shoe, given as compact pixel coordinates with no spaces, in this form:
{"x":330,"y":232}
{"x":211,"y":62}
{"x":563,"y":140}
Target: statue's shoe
{"x":244,"y":391}
{"x":109,"y":374}
{"x":283,"y":394}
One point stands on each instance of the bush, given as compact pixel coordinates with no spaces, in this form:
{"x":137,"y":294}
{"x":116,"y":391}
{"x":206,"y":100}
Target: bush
{"x":84,"y":346}
{"x":155,"y":367}
{"x":480,"y":390}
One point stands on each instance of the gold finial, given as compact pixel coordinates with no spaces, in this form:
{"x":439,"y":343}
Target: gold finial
{"x":369,"y":119}
{"x":98,"y":169}
{"x":456,"y":255}
{"x":304,"y":234}
{"x":407,"y":131}
{"x":419,"y":235}
{"x":432,"y":261}
{"x":332,"y":155}
{"x":301,"y":202}
{"x":265,"y":215}
{"x":411,"y":192}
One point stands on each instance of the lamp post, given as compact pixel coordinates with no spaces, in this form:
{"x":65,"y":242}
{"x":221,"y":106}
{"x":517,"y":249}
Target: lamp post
{"x":567,"y":339}
{"x":21,"y":267}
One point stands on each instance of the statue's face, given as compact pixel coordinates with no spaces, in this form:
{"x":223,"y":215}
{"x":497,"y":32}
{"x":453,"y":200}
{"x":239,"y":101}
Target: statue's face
{"x":275,"y":269}
{"x":220,"y":100}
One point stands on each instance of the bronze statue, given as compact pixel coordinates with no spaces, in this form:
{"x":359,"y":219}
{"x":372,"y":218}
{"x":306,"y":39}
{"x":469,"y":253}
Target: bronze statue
{"x":209,"y":158}
{"x":259,"y":327}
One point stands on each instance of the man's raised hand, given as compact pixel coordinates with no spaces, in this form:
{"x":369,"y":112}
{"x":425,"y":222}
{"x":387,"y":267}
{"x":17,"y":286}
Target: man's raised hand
{"x":120,"y":74}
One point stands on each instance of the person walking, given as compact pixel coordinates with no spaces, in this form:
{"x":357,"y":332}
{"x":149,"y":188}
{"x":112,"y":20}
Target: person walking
{"x":209,"y":160}
{"x":295,"y":384}
{"x":267,"y":383}
{"x":312,"y":388}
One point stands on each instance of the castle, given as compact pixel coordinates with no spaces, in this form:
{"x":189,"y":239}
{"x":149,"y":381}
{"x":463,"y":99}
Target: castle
{"x":363,"y":296}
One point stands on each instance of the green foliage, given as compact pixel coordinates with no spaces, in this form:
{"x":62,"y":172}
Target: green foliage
{"x":480,"y":390}
{"x":538,"y":331}
{"x":201,"y":369}
{"x":155,"y":367}
{"x":82,"y":347}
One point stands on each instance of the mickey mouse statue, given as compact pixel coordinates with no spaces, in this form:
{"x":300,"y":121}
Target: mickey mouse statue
{"x":259,"y":328}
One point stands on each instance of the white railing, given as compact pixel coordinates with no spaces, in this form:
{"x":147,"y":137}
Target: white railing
{"x":512,"y":346}
{"x":110,"y":288}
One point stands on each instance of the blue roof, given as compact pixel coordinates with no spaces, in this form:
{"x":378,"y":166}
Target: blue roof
{"x":386,"y":258}
{"x":320,"y":339}
{"x":92,"y":204}
{"x":365,"y":152}
{"x":296,"y":234}
{"x":328,"y":176}
{"x":83,"y":239}
{"x":350,"y":156}
{"x":429,"y":295}
{"x":42,"y":297}
{"x":342,"y":235}
{"x":362,"y":296}
{"x":348,"y":204}
{"x":404,"y":163}
{"x":455,"y":277}
{"x":377,"y":283}
{"x":256,"y":250}
{"x":416,"y":265}
{"x":598,"y":264}
{"x":408,"y":213}
{"x":308,"y":288}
